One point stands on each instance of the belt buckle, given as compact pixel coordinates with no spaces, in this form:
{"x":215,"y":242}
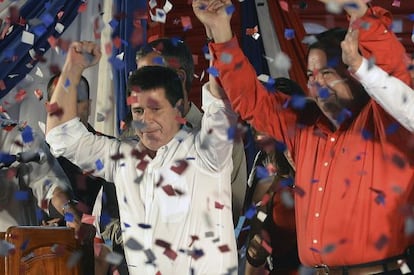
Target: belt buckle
{"x":322,"y":269}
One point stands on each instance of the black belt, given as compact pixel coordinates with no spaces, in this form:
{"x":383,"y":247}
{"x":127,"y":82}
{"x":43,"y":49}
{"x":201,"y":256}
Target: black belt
{"x":380,"y":266}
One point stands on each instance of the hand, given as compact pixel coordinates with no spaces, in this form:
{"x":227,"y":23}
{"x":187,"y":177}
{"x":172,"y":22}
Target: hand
{"x":215,"y":16}
{"x":83,"y":54}
{"x":350,"y":53}
{"x":355,"y":8}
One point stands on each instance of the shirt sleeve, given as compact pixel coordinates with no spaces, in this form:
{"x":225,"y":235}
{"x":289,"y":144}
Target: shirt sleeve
{"x":92,"y":153}
{"x":261,"y":108}
{"x":377,"y":41}
{"x":393,"y":95}
{"x":215,"y":143}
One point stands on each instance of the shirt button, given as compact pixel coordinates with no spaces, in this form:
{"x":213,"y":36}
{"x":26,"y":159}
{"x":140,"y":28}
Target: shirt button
{"x":320,"y":189}
{"x":317,"y":215}
{"x":325,"y":163}
{"x":315,"y":241}
{"x":332,"y":139}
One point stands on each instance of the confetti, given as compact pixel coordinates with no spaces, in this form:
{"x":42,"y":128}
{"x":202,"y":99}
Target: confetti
{"x":381,"y":242}
{"x":170,"y":253}
{"x":114,"y":258}
{"x":27,"y":134}
{"x":186,"y":23}
{"x":230,"y":9}
{"x":213,"y":71}
{"x":99,"y":164}
{"x":284,"y":5}
{"x":28,"y":37}
{"x":224,"y":248}
{"x":38,"y":93}
{"x":179,"y":167}
{"x":289,"y":34}
{"x":133,"y":244}
{"x":168,"y":189}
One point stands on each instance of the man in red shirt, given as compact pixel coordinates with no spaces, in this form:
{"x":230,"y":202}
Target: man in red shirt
{"x":354,"y":183}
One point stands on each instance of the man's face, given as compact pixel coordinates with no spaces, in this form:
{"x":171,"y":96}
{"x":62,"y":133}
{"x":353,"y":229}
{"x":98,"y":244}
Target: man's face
{"x":152,"y":59}
{"x":330,"y":92}
{"x":156,"y":117}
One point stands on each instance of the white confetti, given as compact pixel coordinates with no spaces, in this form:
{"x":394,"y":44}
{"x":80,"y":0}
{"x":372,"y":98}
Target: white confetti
{"x":28,"y":37}
{"x":59,"y":27}
{"x":282,"y":61}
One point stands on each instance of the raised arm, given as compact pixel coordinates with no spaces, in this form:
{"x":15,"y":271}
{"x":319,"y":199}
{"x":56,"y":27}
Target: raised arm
{"x":80,"y":56}
{"x":376,"y":39}
{"x":393,"y":95}
{"x":247,"y":95}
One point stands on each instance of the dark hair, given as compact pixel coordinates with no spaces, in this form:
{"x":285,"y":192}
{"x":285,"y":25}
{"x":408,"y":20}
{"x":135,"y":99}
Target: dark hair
{"x":174,"y":51}
{"x":330,"y":43}
{"x":82,"y":86}
{"x":153,"y":77}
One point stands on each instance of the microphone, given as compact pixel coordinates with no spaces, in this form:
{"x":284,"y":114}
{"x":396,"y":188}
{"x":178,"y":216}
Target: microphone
{"x":31,"y":156}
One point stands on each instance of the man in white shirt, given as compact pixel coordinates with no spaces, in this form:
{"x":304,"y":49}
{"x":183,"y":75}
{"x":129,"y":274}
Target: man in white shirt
{"x":396,"y":97}
{"x":173,"y":188}
{"x":176,"y":54}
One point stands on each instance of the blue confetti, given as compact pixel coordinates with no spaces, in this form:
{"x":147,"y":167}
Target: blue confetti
{"x":117,"y":63}
{"x":213,"y":71}
{"x":261,"y":172}
{"x":158,"y":60}
{"x":250,"y":212}
{"x":24,"y":245}
{"x":351,"y":5}
{"x":99,"y":165}
{"x":47,"y":19}
{"x":366,"y":134}
{"x":392,"y":128}
{"x":7,"y":159}
{"x":113,"y":23}
{"x":69,"y":217}
{"x":27,"y":134}
{"x":323,"y":93}
{"x":231,"y":132}
{"x":39,"y":30}
{"x":144,"y":226}
{"x":289,"y":34}
{"x":411,"y":17}
{"x":230,"y":9}
{"x":175,"y":41}
{"x":287,"y":182}
{"x":21,"y":195}
{"x":298,"y":102}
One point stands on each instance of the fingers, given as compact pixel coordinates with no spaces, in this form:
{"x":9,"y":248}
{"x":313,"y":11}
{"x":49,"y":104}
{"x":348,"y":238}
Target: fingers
{"x":90,"y":50}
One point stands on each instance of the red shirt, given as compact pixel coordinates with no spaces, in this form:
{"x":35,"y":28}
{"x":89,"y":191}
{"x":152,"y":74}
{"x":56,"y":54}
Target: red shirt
{"x":354,"y":186}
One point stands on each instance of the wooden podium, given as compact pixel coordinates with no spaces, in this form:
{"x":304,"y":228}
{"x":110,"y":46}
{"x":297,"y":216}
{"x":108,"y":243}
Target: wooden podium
{"x":43,"y":250}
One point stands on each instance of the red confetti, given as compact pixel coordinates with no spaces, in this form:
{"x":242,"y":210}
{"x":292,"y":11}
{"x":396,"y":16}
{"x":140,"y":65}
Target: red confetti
{"x":38,"y":93}
{"x":284,"y":5}
{"x":54,"y":109}
{"x":218,"y":205}
{"x":170,"y":253}
{"x":20,"y":95}
{"x":224,"y":248}
{"x":181,"y":120}
{"x":168,"y":189}
{"x":117,"y":42}
{"x":180,"y":167}
{"x":88,"y":219}
{"x":82,"y":7}
{"x":162,"y":243}
{"x":142,"y":165}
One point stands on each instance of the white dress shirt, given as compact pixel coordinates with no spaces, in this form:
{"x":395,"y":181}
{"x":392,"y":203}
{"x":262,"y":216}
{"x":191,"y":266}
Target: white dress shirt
{"x":196,"y":217}
{"x":391,"y":93}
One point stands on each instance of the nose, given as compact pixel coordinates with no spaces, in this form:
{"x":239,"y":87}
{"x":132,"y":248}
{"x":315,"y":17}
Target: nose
{"x":147,"y":116}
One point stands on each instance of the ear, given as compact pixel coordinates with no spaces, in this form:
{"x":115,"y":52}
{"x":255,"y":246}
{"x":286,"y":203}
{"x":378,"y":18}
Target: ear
{"x":182,"y":75}
{"x":180,"y":107}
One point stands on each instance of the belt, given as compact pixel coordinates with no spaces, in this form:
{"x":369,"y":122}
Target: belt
{"x":381,"y":266}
